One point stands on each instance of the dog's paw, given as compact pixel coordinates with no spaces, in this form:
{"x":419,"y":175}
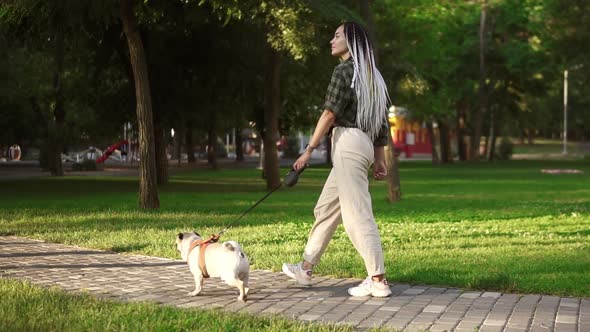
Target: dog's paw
{"x":194,"y":293}
{"x":243,"y":298}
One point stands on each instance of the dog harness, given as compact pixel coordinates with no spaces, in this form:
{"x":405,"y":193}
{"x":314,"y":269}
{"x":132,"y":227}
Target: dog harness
{"x":203,"y":244}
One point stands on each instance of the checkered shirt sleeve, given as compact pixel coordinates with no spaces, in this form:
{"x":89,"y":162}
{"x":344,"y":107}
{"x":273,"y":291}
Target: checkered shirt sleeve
{"x":338,"y":93}
{"x":381,"y":139}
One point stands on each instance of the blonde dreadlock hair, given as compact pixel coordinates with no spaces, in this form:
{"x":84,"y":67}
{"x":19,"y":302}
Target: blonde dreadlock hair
{"x":367,"y":82}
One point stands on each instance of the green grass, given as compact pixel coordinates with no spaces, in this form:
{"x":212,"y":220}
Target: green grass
{"x":548,"y":146}
{"x":25,"y":307}
{"x":504,"y":226}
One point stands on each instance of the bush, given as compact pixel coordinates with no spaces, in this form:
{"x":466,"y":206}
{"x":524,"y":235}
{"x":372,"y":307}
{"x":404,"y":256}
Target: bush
{"x":87,"y":165}
{"x":506,"y":149}
{"x":44,"y":156}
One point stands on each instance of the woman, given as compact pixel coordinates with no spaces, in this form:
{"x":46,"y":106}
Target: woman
{"x":356,"y":109}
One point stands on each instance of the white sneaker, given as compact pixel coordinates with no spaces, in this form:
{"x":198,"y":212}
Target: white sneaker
{"x":296,"y":271}
{"x":370,"y":287}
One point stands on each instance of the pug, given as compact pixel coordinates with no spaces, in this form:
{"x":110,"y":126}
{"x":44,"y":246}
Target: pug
{"x":226,"y":261}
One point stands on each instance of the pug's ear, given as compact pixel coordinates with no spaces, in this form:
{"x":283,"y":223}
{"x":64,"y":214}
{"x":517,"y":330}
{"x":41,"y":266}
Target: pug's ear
{"x":197,"y":234}
{"x":180,"y":236}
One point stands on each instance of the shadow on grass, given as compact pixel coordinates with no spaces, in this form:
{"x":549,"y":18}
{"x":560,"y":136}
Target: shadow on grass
{"x":499,"y":281}
{"x":128,"y":247}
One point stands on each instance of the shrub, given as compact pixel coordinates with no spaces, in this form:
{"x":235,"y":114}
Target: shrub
{"x":87,"y":165}
{"x":506,"y":149}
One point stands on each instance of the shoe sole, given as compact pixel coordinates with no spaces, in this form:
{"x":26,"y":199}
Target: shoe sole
{"x":373,"y":295}
{"x":359,"y":295}
{"x":376,"y":294}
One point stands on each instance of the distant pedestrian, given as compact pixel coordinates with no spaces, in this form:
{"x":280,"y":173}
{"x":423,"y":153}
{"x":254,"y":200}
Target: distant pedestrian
{"x":14,"y":152}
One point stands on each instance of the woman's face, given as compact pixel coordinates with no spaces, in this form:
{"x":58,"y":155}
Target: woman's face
{"x":338,"y":44}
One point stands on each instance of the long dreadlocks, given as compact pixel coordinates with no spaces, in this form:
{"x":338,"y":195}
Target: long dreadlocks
{"x":367,"y":82}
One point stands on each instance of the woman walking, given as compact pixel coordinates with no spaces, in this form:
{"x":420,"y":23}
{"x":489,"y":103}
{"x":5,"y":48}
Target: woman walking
{"x":356,"y":111}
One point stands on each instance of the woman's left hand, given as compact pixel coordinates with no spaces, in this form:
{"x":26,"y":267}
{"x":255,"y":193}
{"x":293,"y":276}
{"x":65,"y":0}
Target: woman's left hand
{"x":379,"y":169}
{"x":302,"y":161}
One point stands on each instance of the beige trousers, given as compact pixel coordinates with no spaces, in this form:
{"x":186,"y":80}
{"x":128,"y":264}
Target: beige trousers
{"x":345,"y":199}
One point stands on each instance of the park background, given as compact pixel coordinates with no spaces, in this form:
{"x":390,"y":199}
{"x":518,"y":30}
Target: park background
{"x":496,"y":90}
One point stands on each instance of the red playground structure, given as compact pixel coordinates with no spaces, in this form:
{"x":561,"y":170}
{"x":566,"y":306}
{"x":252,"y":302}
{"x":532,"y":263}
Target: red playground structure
{"x":110,"y":151}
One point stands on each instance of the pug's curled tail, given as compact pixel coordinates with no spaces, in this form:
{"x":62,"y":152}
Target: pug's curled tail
{"x":235,"y":247}
{"x":229,"y":246}
{"x":232,"y":246}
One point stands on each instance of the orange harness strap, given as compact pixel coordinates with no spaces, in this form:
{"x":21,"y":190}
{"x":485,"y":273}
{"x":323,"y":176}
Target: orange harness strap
{"x":203,"y":244}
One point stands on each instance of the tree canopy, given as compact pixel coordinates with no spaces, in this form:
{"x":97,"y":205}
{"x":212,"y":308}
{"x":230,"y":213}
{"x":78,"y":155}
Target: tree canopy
{"x":468,"y":66}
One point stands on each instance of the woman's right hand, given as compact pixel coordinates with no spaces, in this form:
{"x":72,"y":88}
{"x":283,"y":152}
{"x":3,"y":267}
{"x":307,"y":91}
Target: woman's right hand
{"x":302,"y":161}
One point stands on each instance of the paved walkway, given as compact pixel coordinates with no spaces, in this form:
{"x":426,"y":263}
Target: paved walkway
{"x":411,"y":308}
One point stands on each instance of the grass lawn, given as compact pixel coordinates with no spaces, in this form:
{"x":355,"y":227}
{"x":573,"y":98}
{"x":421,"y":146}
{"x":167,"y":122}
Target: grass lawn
{"x":32,"y":308}
{"x":504,"y":226}
{"x":549,"y":147}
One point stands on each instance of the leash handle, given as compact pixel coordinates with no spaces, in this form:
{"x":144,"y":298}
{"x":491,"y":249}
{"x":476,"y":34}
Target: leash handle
{"x":293,"y":176}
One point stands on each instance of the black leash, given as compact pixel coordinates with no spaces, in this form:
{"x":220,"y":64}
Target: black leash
{"x":250,"y":209}
{"x":290,"y":180}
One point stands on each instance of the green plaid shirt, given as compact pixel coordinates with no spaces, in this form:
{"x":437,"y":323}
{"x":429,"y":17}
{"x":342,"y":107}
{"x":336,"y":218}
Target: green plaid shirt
{"x":341,"y":99}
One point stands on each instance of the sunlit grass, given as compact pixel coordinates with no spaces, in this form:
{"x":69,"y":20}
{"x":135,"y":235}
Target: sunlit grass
{"x":25,"y":307}
{"x":503,"y":226}
{"x":547,"y":146}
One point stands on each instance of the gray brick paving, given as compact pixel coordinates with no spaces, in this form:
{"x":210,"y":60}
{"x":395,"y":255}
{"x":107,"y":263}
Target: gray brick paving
{"x":410,"y":308}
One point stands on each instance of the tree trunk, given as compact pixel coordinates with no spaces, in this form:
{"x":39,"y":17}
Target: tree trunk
{"x":188,"y":143}
{"x":521,"y":130}
{"x":530,"y":136}
{"x":56,"y":123}
{"x":212,"y":144}
{"x":367,"y":15}
{"x":492,"y":149}
{"x":148,"y":189}
{"x":271,"y":122}
{"x":239,"y":147}
{"x":393,"y":179}
{"x":431,"y":133}
{"x":491,"y":138}
{"x":479,"y":114}
{"x":461,"y":146}
{"x":492,"y":156}
{"x":161,"y":155}
{"x":445,"y":143}
{"x":394,"y":192}
{"x":261,"y":161}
